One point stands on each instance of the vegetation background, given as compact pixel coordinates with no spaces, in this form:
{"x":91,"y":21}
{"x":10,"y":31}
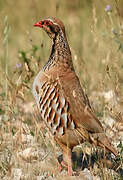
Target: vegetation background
{"x":95,"y":34}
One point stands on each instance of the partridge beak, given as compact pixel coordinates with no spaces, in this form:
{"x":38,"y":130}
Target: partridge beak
{"x":38,"y":24}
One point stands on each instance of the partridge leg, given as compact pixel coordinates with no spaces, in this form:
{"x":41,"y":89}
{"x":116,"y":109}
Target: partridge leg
{"x":67,"y":157}
{"x":67,"y":160}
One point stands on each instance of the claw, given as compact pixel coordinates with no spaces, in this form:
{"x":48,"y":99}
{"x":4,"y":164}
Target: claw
{"x":68,"y":167}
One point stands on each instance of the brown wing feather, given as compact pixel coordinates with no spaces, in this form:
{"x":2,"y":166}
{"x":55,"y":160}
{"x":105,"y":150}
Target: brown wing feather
{"x":79,"y":106}
{"x":70,"y":88}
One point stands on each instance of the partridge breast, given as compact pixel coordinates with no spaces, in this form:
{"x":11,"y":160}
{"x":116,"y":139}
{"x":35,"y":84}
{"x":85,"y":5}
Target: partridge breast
{"x":53,"y":106}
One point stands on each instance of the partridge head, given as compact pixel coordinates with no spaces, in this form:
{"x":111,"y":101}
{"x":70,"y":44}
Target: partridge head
{"x":52,"y":26}
{"x":62,"y":103}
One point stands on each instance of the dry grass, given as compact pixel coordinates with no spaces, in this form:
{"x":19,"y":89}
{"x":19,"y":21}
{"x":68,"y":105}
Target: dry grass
{"x":27,"y":150}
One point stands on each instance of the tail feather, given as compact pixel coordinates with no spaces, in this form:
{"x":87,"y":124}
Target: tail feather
{"x":100,"y":139}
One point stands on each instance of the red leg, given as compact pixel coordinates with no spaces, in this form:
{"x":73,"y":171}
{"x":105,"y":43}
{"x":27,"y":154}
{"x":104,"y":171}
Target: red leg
{"x":67,"y":158}
{"x":64,"y":165}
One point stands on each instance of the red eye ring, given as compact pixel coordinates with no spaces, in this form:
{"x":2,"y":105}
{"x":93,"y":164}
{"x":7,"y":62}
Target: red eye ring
{"x":43,"y":22}
{"x":46,"y":23}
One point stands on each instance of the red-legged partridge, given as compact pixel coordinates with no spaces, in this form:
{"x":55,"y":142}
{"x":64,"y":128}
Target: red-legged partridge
{"x":61,"y":101}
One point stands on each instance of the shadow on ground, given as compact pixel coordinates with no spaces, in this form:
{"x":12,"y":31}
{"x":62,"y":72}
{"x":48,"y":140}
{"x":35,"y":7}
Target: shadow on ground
{"x":82,"y":161}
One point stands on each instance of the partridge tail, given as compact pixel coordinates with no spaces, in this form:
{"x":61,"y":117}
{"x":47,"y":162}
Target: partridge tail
{"x":101,"y":140}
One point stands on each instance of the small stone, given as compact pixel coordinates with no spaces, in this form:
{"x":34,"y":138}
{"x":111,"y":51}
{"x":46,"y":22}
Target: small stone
{"x":16,"y":173}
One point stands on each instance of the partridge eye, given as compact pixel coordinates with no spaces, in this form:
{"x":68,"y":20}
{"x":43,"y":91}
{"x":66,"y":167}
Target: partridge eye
{"x":42,"y":22}
{"x":47,"y":23}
